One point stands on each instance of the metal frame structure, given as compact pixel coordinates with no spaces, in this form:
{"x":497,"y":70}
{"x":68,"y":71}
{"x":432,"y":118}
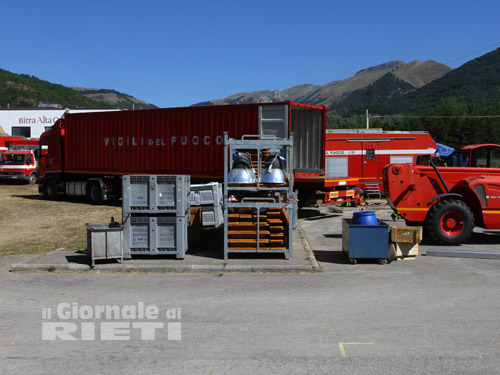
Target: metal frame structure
{"x":259,"y":143}
{"x":104,"y":242}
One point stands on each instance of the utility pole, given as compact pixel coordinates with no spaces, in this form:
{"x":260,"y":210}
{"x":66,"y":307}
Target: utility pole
{"x":367,"y":120}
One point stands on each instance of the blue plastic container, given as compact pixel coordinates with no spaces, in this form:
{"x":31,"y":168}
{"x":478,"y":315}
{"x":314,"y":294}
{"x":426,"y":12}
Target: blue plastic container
{"x":364,"y":218}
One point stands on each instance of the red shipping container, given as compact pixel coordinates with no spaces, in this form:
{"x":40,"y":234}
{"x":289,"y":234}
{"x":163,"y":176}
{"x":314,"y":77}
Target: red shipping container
{"x":183,"y":140}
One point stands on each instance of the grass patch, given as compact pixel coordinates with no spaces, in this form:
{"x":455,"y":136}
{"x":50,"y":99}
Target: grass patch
{"x":33,"y":225}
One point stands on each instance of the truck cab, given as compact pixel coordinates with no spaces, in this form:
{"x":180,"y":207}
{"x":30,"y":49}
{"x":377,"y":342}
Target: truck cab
{"x":18,"y":165}
{"x":476,"y":156}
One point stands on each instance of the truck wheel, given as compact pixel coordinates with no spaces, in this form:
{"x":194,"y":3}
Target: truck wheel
{"x":450,"y":222}
{"x":32,"y":179}
{"x":50,"y":189}
{"x":94,"y":193}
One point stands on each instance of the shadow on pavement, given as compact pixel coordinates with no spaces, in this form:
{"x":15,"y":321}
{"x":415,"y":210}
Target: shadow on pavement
{"x":78,"y":259}
{"x":486,"y":237}
{"x":315,"y":214}
{"x":337,"y":235}
{"x":337,"y":257}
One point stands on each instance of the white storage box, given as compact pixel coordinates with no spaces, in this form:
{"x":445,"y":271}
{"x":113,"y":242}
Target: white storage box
{"x":212,"y":216}
{"x":206,"y":194}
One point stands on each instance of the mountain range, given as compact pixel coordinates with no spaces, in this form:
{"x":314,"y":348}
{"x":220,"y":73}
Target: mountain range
{"x":391,"y":88}
{"x":395,"y":87}
{"x":401,"y":77}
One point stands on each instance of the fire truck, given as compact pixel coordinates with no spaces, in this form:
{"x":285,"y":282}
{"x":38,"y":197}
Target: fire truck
{"x":18,"y":166}
{"x":450,"y":198}
{"x":359,"y":155}
{"x":17,"y":161}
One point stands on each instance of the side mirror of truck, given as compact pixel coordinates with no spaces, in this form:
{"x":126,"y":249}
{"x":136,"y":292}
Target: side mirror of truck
{"x":38,"y":154}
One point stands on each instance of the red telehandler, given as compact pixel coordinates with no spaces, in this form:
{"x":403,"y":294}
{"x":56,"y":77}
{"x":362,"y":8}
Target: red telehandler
{"x":448,"y":198}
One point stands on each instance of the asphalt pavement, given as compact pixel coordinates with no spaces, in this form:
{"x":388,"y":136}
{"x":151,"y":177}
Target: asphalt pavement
{"x":427,"y":315}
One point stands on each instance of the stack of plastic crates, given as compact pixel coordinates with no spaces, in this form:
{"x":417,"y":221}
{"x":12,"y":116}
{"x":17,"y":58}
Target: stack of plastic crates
{"x":156,"y":214}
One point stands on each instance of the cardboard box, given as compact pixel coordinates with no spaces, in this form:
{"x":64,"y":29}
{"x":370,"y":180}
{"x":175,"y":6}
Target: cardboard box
{"x":410,"y":235}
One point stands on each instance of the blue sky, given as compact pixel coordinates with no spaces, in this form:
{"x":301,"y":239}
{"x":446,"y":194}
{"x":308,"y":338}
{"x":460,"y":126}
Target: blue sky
{"x":177,"y":53}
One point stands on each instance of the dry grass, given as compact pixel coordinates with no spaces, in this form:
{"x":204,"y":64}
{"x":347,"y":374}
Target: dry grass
{"x":30,"y":224}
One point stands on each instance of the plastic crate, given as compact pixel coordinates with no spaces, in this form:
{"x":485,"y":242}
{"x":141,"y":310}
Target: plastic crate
{"x":206,"y":194}
{"x":194,"y":198}
{"x":212,"y":216}
{"x":156,"y":194}
{"x":156,"y":235}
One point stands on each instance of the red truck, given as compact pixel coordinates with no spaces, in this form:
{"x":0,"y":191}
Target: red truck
{"x":18,"y":166}
{"x":449,"y":199}
{"x":17,"y":161}
{"x":87,"y":153}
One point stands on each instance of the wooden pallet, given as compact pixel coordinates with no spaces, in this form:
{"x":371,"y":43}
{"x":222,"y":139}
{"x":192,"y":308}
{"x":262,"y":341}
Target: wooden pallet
{"x":273,"y":229}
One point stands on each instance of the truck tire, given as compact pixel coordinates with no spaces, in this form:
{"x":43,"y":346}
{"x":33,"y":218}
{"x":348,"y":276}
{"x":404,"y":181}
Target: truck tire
{"x":32,"y":179}
{"x":50,"y":189}
{"x":94,"y":193}
{"x":450,"y":222}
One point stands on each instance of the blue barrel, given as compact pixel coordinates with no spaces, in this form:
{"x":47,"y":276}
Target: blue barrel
{"x":364,"y":218}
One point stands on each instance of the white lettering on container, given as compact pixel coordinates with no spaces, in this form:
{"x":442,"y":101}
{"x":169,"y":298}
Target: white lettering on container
{"x":160,"y":142}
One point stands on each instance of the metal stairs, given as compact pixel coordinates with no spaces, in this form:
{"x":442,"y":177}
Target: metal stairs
{"x":372,"y":189}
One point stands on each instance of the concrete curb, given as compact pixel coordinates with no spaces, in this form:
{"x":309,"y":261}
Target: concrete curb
{"x":50,"y":267}
{"x":19,"y":267}
{"x":314,"y":264}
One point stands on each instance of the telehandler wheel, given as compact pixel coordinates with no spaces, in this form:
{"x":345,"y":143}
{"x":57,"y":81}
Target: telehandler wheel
{"x":450,"y":222}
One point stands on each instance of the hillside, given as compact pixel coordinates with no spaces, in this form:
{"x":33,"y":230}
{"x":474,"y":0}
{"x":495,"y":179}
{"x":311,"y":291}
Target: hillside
{"x":386,"y":88}
{"x":413,"y":75}
{"x":114,"y":98}
{"x":476,"y":82}
{"x":21,"y":90}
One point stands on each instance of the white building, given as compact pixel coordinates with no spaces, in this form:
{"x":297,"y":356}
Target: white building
{"x":32,"y":122}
